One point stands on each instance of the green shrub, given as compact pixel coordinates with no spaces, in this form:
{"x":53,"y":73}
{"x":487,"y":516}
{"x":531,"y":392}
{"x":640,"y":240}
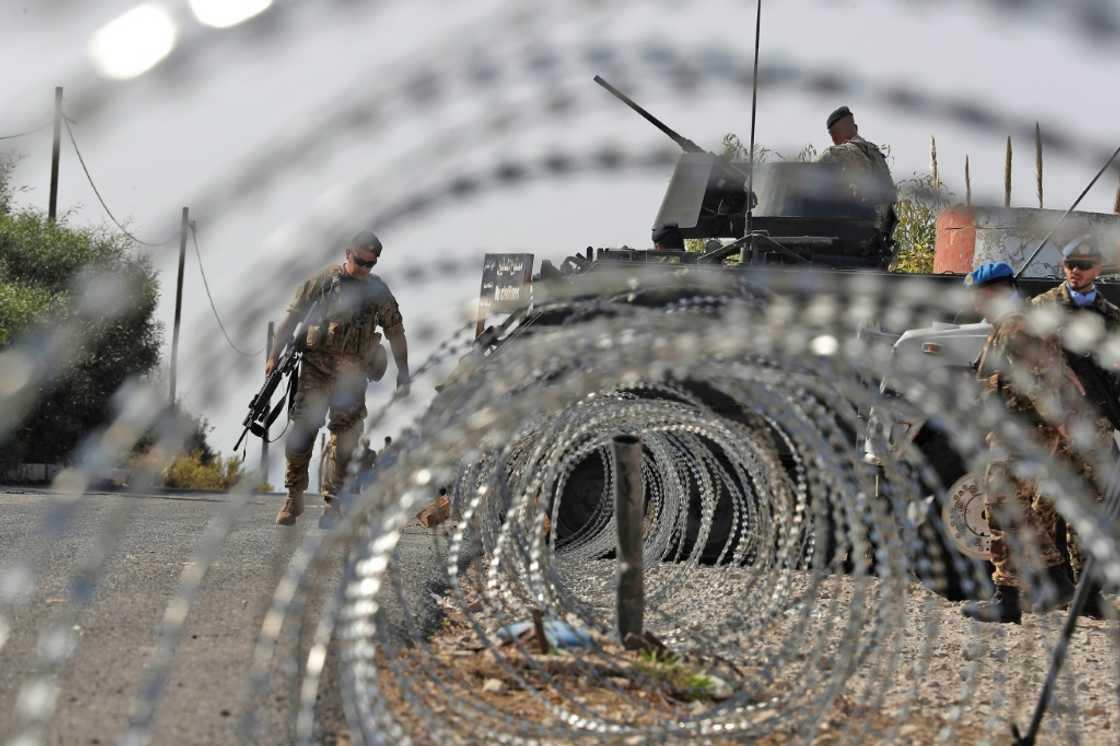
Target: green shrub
{"x":44,"y":268}
{"x":915,"y":236}
{"x":190,"y":472}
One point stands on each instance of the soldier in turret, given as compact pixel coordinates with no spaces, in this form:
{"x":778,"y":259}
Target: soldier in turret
{"x":343,"y":353}
{"x":864,"y":165}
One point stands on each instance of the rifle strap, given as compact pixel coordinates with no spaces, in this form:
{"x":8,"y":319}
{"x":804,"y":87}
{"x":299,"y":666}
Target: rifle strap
{"x":293,"y":387}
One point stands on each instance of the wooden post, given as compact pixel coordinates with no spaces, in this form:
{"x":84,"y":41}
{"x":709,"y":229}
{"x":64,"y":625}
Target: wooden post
{"x":1007,"y":175}
{"x":56,"y":149}
{"x":967,"y":183}
{"x":1038,"y":161}
{"x":628,"y":498}
{"x":179,"y":299}
{"x":1116,"y":205}
{"x":269,"y":341}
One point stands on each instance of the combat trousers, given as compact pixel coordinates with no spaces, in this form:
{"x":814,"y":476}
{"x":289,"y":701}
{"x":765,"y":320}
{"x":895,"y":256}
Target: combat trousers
{"x":1023,"y":521}
{"x":331,"y":386}
{"x":1022,"y":524}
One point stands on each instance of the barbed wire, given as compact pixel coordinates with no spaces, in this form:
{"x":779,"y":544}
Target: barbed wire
{"x":779,"y":566}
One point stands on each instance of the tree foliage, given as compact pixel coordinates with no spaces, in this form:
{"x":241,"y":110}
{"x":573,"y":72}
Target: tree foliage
{"x":915,"y":236}
{"x":44,"y":270}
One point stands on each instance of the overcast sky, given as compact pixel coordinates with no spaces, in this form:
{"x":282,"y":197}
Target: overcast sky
{"x":183,"y":132}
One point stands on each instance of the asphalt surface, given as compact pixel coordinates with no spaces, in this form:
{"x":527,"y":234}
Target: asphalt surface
{"x":152,"y":538}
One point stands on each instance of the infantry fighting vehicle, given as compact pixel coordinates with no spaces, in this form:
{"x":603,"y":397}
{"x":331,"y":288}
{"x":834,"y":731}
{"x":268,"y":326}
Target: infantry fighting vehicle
{"x":799,"y":216}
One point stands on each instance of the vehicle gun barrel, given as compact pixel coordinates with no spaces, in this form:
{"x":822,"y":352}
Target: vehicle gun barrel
{"x":684,"y":143}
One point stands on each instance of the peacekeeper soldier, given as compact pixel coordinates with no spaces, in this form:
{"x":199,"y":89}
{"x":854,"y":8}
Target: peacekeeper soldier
{"x":1019,"y":515}
{"x":864,"y":166}
{"x":1021,"y":520}
{"x":1082,"y":264}
{"x":343,"y":352}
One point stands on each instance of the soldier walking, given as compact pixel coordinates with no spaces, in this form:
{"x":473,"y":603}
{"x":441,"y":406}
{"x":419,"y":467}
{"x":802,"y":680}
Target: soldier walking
{"x":343,"y":353}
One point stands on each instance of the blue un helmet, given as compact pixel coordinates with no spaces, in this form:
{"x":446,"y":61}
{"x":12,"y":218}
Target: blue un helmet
{"x":988,"y":273}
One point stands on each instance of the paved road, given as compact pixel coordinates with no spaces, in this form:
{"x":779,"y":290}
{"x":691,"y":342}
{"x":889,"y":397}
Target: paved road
{"x":207,"y":690}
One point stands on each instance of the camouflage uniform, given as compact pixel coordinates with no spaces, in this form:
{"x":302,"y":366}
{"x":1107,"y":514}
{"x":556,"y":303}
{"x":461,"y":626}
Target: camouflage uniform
{"x":343,"y":351}
{"x":1017,"y":514}
{"x":1100,"y":391}
{"x":867,"y":168}
{"x":1060,"y":296}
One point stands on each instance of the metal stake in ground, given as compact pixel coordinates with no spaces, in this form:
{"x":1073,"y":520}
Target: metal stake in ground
{"x":628,"y":498}
{"x":1084,"y":588}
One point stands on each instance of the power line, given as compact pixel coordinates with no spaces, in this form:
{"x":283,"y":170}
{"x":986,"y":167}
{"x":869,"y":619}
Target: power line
{"x":100,"y":199}
{"x":25,"y":133}
{"x":206,"y":284}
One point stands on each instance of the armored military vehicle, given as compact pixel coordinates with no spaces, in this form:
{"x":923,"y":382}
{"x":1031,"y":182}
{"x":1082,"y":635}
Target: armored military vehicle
{"x":798,"y":216}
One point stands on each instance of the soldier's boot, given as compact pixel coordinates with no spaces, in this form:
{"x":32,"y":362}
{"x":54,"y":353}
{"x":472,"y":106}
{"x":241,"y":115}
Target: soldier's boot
{"x":1096,"y":606}
{"x":292,"y":509}
{"x":1056,"y":592}
{"x":1003,"y":607}
{"x":331,"y":514}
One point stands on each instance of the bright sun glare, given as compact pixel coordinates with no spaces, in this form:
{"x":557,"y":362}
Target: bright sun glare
{"x":134,"y":42}
{"x":226,"y":13}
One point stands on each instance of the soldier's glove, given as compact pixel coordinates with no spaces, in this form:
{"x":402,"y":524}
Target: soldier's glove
{"x":402,"y":385}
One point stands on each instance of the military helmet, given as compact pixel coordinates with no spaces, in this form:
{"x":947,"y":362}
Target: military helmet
{"x":668,"y":235}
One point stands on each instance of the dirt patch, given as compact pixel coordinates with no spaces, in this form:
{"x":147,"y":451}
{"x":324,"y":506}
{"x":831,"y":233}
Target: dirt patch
{"x":834,"y":661}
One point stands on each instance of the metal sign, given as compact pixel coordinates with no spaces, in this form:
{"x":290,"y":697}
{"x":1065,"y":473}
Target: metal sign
{"x":506,"y":282}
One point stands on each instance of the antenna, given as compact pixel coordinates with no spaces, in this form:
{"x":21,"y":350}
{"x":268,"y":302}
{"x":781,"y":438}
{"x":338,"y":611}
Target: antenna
{"x":754,"y":118}
{"x":1068,"y":212}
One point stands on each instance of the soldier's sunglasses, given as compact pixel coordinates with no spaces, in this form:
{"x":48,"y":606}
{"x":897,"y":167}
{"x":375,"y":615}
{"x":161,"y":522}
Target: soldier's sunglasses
{"x":1082,"y":264}
{"x":362,"y":262}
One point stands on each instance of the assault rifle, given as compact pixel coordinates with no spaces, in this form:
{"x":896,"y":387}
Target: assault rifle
{"x":261,"y":412}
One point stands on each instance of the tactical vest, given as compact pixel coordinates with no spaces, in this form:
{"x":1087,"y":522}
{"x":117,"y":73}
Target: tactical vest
{"x":348,"y":320}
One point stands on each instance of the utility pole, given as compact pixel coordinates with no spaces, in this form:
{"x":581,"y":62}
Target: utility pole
{"x":56,"y":147}
{"x":270,"y":340}
{"x":179,"y":299}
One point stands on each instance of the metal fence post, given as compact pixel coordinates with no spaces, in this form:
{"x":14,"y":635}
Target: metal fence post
{"x":628,"y":508}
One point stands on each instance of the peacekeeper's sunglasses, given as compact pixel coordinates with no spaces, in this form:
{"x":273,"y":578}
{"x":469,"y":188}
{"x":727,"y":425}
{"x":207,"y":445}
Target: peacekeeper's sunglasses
{"x":1082,"y":264}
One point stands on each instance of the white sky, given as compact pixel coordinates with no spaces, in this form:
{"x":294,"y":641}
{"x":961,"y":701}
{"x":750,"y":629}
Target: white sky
{"x":166,"y":140}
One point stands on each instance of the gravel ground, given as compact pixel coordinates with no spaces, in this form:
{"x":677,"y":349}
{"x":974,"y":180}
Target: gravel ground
{"x":829,"y":658}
